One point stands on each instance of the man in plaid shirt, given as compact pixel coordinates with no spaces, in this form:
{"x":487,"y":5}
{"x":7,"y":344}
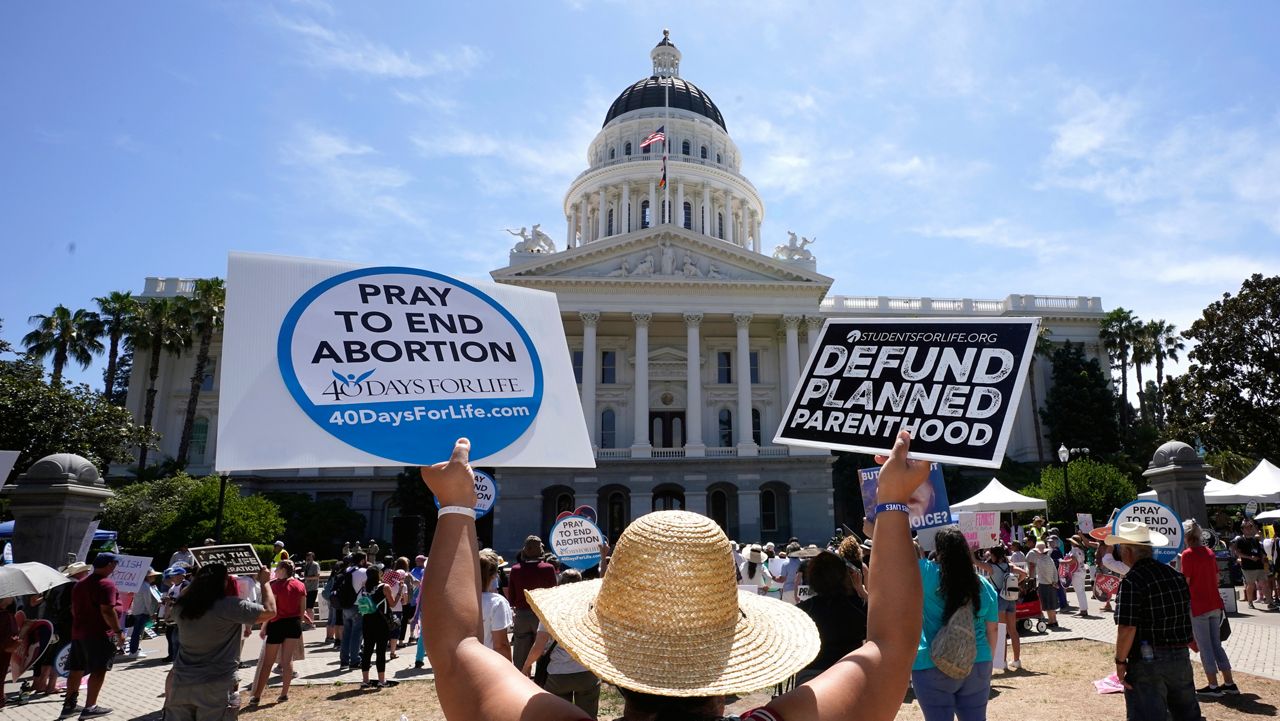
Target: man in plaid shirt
{"x":1153,"y":619}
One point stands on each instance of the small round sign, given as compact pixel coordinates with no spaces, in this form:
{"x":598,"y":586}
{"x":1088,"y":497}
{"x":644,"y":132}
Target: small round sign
{"x":576,"y":542}
{"x":1160,"y":519}
{"x":486,"y":493}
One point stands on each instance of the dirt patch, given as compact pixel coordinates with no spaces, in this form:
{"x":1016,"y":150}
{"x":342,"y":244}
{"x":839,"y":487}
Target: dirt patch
{"x":1055,"y":676}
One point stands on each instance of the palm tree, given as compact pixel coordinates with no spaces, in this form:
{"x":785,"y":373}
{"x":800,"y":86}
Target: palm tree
{"x":1168,"y":344}
{"x":117,"y":311}
{"x":207,"y":305}
{"x":163,"y":327}
{"x":1116,"y":332}
{"x":66,"y":335}
{"x":1043,"y":348}
{"x":1144,"y":351}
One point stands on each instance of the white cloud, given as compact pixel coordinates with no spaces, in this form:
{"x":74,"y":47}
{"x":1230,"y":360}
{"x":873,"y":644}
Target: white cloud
{"x":1095,"y":125}
{"x":349,"y":176}
{"x":327,"y":48}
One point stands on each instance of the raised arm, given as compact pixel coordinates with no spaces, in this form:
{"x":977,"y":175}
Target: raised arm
{"x":872,"y":681}
{"x":268,"y":596}
{"x":472,"y":681}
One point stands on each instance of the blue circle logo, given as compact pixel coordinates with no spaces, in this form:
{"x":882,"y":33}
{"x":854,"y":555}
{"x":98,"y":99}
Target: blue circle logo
{"x":400,"y":362}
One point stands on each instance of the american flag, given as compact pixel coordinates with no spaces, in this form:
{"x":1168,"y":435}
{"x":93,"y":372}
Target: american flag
{"x":656,"y":136}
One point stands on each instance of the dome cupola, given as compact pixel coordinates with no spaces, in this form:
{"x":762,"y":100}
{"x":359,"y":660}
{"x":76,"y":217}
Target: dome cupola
{"x":665,"y":88}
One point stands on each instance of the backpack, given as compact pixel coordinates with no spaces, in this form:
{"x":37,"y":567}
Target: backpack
{"x":955,"y":646}
{"x":346,"y":590}
{"x":1012,"y":590}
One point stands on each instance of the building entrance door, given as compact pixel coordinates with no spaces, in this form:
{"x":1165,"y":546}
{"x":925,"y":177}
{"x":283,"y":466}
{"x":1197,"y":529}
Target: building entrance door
{"x":666,"y":429}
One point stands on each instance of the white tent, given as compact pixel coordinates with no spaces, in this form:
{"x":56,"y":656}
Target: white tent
{"x":995,"y":497}
{"x":1216,"y":493}
{"x":1262,"y":484}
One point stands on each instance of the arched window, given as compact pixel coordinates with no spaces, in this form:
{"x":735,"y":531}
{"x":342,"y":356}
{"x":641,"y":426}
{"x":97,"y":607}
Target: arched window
{"x":775,"y":511}
{"x":722,"y":507}
{"x":768,"y":510}
{"x":726,"y":428}
{"x":645,"y":220}
{"x":608,"y":429}
{"x":704,"y":152}
{"x":755,"y":425}
{"x":688,"y":215}
{"x":199,"y":440}
{"x":627,"y":148}
{"x":717,"y":157}
{"x":614,"y":506}
{"x":668,"y":497}
{"x":609,"y":231}
{"x":720,"y":225}
{"x":684,"y":148}
{"x":612,"y":153}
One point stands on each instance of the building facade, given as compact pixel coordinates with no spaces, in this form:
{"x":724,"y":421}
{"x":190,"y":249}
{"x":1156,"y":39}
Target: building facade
{"x":687,"y":334}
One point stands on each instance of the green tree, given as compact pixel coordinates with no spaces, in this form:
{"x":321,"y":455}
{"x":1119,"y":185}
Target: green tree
{"x":39,"y":419}
{"x":1229,"y":398}
{"x":319,"y":526}
{"x":1144,"y":352}
{"x":1116,"y":332}
{"x":206,"y":308}
{"x":66,"y":335}
{"x":163,"y":327}
{"x":1079,"y":409}
{"x":1096,"y":488}
{"x":117,"y":311}
{"x":1168,"y":344}
{"x":119,"y":392}
{"x":1232,"y":467}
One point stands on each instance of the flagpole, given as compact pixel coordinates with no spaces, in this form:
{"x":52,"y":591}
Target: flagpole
{"x":666,"y":188}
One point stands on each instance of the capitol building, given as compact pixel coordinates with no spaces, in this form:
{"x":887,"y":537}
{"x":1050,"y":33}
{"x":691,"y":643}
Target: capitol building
{"x":687,"y":331}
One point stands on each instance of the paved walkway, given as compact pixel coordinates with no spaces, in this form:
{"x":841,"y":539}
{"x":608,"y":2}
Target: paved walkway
{"x":134,"y":688}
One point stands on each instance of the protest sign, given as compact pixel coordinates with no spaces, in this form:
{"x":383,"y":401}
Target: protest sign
{"x":1160,"y":519}
{"x":87,"y":541}
{"x":929,"y":505}
{"x":804,"y":592}
{"x":576,"y":542}
{"x":7,"y":461}
{"x":1084,"y":522}
{"x":334,"y":365}
{"x":954,"y":383}
{"x":130,"y":572}
{"x":1107,"y":583}
{"x":486,"y":493}
{"x":239,"y":558}
{"x":1250,"y":509}
{"x":980,"y":528}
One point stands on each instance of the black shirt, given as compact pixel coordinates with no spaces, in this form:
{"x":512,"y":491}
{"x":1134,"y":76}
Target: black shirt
{"x":842,"y":626}
{"x":1155,"y":599}
{"x":1249,"y":547}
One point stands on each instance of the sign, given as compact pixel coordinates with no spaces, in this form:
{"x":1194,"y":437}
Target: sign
{"x":576,"y":542}
{"x":486,"y":494}
{"x":1160,"y":519}
{"x":240,"y":558}
{"x":85,"y":542}
{"x":33,"y":640}
{"x":130,"y":573}
{"x":1084,"y":522}
{"x":61,"y":661}
{"x":7,"y":461}
{"x":335,"y":365}
{"x":1250,"y":509}
{"x":1107,"y":583}
{"x":954,"y":383}
{"x":929,"y":505}
{"x":803,"y":592}
{"x":980,"y":528}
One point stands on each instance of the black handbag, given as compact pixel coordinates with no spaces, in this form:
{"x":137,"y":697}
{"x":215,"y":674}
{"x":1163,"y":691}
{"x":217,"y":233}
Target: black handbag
{"x":1224,"y":629}
{"x":542,"y":664}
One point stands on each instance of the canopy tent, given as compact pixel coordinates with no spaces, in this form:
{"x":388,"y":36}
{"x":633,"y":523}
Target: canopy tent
{"x":1216,"y":493}
{"x":995,"y":497}
{"x":1268,"y":516}
{"x":6,"y":533}
{"x":1262,"y":484}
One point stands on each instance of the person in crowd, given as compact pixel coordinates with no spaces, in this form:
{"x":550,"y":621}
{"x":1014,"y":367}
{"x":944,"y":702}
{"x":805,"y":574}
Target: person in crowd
{"x":1037,"y":531}
{"x":283,"y":631}
{"x":371,"y":551}
{"x":1041,"y":563}
{"x":528,"y":573}
{"x":57,"y":612}
{"x":854,"y":555}
{"x":183,"y":557}
{"x":346,"y":549}
{"x":1114,"y":566}
{"x":666,"y":623}
{"x":280,"y":554}
{"x":333,"y":630}
{"x":211,"y":614}
{"x":1079,"y":567}
{"x":415,"y":589}
{"x":836,"y":609}
{"x":398,"y":586}
{"x":1248,"y":549}
{"x":1006,"y":534}
{"x":144,"y":606}
{"x":791,"y":571}
{"x":1017,"y":553}
{"x":1000,"y":569}
{"x":93,"y":623}
{"x":376,"y":630}
{"x":1200,"y":568}
{"x":755,"y":570}
{"x":176,"y":577}
{"x":311,"y":580}
{"x":8,"y":640}
{"x":950,"y":584}
{"x":1153,"y":628}
{"x":495,"y":611}
{"x":348,"y":587}
{"x":566,"y":678}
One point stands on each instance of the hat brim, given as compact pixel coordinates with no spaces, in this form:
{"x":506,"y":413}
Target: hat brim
{"x":771,"y":642}
{"x":1155,"y":540}
{"x":805,"y":553}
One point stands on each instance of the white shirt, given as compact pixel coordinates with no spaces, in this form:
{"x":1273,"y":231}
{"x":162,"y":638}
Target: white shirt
{"x":760,"y":579}
{"x":1113,"y":564}
{"x":1017,"y":557}
{"x":1042,"y":562}
{"x":560,"y":662}
{"x":496,"y":613}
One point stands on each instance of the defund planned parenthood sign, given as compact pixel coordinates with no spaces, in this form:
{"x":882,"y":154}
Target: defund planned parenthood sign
{"x":348,"y":366}
{"x":954,"y":383}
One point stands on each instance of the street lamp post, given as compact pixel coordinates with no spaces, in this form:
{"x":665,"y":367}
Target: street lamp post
{"x":1064,"y":455}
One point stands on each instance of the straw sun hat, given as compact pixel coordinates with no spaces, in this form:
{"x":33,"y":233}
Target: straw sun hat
{"x":1136,"y":534}
{"x":668,"y":618}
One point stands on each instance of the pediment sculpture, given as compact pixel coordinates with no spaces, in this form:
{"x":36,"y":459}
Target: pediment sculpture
{"x":795,"y":249}
{"x":532,"y":242}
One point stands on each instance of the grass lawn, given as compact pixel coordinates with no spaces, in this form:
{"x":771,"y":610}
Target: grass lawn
{"x":1055,"y":677}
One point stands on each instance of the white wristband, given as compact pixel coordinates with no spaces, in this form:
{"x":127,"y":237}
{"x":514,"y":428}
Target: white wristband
{"x":460,"y":510}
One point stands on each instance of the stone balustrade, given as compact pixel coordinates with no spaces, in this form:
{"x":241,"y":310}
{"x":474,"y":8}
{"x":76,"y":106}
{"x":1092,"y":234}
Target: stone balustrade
{"x":1016,"y":303}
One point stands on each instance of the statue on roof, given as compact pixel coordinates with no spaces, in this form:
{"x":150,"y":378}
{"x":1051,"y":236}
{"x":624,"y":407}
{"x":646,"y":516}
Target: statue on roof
{"x":532,"y":242}
{"x":795,"y":249}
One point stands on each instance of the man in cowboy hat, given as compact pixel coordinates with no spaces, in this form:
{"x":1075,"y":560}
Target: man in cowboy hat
{"x":1153,"y":628}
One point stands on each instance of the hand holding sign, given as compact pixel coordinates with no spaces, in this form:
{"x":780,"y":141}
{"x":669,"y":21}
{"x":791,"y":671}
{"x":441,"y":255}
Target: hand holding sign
{"x":900,"y":477}
{"x":453,"y":482}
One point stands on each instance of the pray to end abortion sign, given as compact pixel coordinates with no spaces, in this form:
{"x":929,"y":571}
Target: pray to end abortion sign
{"x":953,"y":383}
{"x":335,"y":365}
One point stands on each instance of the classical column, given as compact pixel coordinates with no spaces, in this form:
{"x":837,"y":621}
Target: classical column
{"x":792,"y":325}
{"x":728,"y":217}
{"x":582,"y":221}
{"x":678,"y":211}
{"x":653,"y":203}
{"x":625,"y":225}
{"x":666,"y":198}
{"x":743,"y":369}
{"x":602,"y":215}
{"x":640,"y":440}
{"x":568,"y":236}
{"x":590,"y":361}
{"x":693,"y":445}
{"x":755,"y":232}
{"x":812,"y":324}
{"x":706,"y":210}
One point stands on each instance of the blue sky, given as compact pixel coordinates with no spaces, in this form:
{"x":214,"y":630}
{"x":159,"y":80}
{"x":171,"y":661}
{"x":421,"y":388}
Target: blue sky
{"x":1125,"y":150}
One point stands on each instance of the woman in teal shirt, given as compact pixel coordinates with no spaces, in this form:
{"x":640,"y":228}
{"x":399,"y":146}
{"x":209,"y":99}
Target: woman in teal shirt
{"x":948,"y":584}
